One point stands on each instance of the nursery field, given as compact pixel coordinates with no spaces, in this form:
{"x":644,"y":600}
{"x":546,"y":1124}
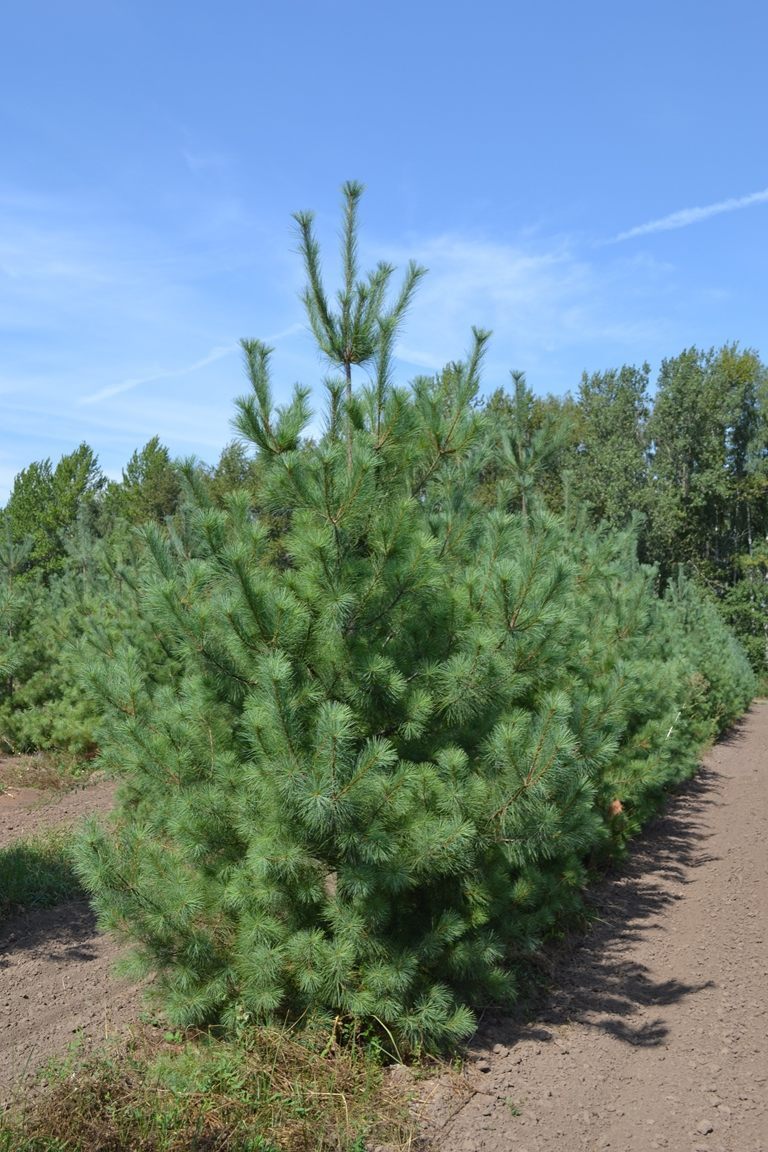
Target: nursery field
{"x":652,"y":1030}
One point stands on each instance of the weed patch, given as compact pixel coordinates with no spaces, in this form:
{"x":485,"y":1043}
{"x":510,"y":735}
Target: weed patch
{"x":48,"y":771}
{"x":272,"y":1090}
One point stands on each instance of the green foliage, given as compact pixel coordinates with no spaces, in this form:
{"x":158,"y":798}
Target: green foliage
{"x":392,"y":714}
{"x":363,"y":330}
{"x":608,"y":468}
{"x":41,"y":704}
{"x":524,"y":459}
{"x":47,"y":551}
{"x":45,"y":502}
{"x":745,"y":606}
{"x":14,"y":601}
{"x":50,"y":631}
{"x":235,"y":469}
{"x":374,"y":704}
{"x":150,"y":488}
{"x":723,"y":680}
{"x":690,"y":469}
{"x":707,"y":502}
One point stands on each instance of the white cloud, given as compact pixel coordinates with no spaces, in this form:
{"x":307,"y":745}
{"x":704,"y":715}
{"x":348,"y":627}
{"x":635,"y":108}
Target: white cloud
{"x":98,"y":308}
{"x":519,"y":292}
{"x":185,"y":370}
{"x":687,"y":216}
{"x":546,"y":302}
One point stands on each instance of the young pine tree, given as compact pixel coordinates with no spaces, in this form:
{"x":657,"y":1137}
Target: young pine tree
{"x":376,"y":765}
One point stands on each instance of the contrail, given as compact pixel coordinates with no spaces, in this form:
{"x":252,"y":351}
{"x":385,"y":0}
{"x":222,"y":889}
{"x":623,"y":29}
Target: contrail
{"x":688,"y":216}
{"x":164,"y":374}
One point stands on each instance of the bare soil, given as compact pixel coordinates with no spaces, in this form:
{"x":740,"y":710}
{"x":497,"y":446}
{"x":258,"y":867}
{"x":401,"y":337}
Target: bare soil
{"x":57,"y":989}
{"x":654,"y":1033}
{"x":25,"y":811}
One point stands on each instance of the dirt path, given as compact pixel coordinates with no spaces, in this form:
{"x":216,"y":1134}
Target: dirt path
{"x":56,"y":981}
{"x":657,"y":1033}
{"x":57,"y":990}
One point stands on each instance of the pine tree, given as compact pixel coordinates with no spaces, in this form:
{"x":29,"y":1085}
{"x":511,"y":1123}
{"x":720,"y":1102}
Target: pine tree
{"x":150,"y":488}
{"x":15,"y":600}
{"x":369,"y":730}
{"x":53,"y":624}
{"x":363,"y":330}
{"x":45,"y":502}
{"x":531,"y":440}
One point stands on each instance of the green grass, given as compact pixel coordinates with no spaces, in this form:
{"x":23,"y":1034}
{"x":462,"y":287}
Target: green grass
{"x":38,"y":873}
{"x":271,"y":1090}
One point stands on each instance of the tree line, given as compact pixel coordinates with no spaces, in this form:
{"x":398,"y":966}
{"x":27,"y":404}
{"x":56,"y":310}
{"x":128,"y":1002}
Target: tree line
{"x":686,"y":462}
{"x":683,"y":465}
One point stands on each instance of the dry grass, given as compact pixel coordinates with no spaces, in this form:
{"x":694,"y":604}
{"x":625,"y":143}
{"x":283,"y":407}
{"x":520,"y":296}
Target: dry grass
{"x":272,"y":1089}
{"x":48,"y":771}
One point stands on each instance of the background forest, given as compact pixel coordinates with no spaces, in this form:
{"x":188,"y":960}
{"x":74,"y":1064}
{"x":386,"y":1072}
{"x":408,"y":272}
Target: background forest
{"x":682,"y":461}
{"x":380,"y":698}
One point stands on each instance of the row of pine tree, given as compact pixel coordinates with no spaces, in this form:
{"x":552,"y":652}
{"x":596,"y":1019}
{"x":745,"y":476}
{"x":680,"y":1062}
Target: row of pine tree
{"x":378,"y":701}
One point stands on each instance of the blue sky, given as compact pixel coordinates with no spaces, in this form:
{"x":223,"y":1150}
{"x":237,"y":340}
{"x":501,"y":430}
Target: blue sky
{"x":588,"y":180}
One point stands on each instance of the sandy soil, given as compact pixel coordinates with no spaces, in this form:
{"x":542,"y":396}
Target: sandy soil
{"x":57,"y":990}
{"x":655,"y":1033}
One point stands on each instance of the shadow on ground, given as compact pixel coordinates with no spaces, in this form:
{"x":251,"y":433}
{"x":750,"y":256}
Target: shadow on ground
{"x":589,"y":979}
{"x":69,"y":930}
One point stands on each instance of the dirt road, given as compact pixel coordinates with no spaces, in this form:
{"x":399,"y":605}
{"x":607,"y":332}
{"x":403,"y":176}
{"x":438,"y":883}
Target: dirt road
{"x":656,"y":1035}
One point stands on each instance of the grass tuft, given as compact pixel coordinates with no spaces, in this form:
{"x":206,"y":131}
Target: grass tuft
{"x":38,"y":873}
